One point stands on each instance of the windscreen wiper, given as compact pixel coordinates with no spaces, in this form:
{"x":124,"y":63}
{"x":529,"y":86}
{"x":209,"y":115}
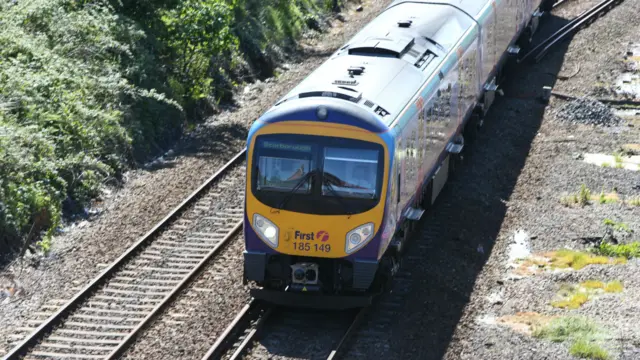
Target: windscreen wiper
{"x":295,"y":188}
{"x":339,"y":197}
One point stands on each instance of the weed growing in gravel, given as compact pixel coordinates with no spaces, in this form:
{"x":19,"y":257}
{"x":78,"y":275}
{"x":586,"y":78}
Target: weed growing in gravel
{"x":635,"y":201}
{"x":564,"y":259}
{"x":593,"y":284}
{"x":618,"y":159}
{"x":567,"y":328}
{"x":581,"y":198}
{"x":576,"y":260}
{"x":584,"y":197}
{"x":619,"y":226}
{"x":626,"y":251}
{"x":573,"y":302}
{"x":587,"y":350}
{"x":582,"y":332}
{"x":614,"y":287}
{"x":609,"y":198}
{"x":610,"y":287}
{"x":574,"y":296}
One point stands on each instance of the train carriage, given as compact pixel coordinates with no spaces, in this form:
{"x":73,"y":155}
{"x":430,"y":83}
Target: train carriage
{"x":342,"y":167}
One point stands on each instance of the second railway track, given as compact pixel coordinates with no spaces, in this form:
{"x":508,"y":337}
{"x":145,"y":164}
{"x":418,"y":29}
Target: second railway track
{"x":307,"y":334}
{"x":103,"y":319}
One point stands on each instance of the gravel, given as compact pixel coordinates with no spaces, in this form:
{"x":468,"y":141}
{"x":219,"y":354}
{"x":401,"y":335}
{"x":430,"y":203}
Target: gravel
{"x":188,"y":327}
{"x":588,"y":112}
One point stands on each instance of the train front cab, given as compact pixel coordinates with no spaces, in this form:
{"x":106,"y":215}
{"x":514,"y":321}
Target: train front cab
{"x":314,"y":207}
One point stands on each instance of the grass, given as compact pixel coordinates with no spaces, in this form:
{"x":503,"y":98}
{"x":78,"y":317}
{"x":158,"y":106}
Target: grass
{"x":609,"y":198}
{"x":620,"y":226}
{"x":573,"y":302}
{"x":584,"y":196}
{"x":581,"y":198}
{"x":618,"y":159}
{"x":567,"y":328}
{"x":574,"y":296}
{"x":576,"y":260}
{"x":587,"y":350}
{"x":583,"y":334}
{"x":634,"y":201}
{"x":614,"y":287}
{"x":567,"y":259}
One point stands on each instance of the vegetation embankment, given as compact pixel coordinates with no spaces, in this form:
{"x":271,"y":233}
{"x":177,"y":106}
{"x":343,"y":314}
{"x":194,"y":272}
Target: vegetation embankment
{"x":89,"y":88}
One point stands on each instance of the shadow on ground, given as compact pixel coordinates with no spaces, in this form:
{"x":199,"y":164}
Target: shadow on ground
{"x":418,"y":318}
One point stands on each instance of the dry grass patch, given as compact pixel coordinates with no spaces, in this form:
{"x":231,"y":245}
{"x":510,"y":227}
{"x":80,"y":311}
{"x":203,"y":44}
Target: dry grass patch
{"x":631,"y":149}
{"x":577,"y":260}
{"x":584,"y":197}
{"x":574,"y":296}
{"x":525,"y":322}
{"x":614,"y":287}
{"x":581,"y":198}
{"x":574,"y":301}
{"x":564,"y":259}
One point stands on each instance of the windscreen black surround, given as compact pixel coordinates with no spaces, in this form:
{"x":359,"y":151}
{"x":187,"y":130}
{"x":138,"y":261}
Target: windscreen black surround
{"x":317,"y":174}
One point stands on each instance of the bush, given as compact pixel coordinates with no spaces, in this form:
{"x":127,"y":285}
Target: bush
{"x":88,"y":88}
{"x":67,"y":111}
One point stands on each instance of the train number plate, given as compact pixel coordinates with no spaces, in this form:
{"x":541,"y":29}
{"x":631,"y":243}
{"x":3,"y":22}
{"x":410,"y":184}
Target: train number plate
{"x":311,"y":247}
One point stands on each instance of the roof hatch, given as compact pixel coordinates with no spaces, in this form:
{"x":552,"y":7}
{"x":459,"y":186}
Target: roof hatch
{"x":382,"y":46}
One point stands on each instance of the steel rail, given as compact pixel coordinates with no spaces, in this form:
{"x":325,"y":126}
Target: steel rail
{"x":567,"y":29}
{"x":57,"y":318}
{"x":243,"y":346}
{"x":218,"y":348}
{"x":558,"y":3}
{"x":350,"y":331}
{"x":167,"y":300}
{"x":593,"y":13}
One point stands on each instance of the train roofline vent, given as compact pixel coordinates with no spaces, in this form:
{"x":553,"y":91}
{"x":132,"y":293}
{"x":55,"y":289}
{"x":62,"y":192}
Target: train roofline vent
{"x":338,"y":92}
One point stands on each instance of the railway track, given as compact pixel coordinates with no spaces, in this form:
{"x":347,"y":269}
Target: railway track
{"x":579,"y":22}
{"x":104,"y":318}
{"x":278,"y":324}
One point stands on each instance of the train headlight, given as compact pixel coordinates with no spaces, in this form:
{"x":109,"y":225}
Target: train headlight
{"x":358,"y":237}
{"x":267,"y":231}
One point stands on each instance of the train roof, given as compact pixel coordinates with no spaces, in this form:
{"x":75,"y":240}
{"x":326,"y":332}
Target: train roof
{"x":470,"y":7}
{"x":383,"y":66}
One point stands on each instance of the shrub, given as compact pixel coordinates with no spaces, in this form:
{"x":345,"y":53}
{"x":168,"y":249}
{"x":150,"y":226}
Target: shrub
{"x":67,"y":121}
{"x":88,"y":88}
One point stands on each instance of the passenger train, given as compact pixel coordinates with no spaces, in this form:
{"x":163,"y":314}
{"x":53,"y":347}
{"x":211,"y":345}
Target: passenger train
{"x":341,"y":168}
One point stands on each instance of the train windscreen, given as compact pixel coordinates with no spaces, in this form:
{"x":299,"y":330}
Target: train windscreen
{"x":350,"y":172}
{"x":317,"y":174}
